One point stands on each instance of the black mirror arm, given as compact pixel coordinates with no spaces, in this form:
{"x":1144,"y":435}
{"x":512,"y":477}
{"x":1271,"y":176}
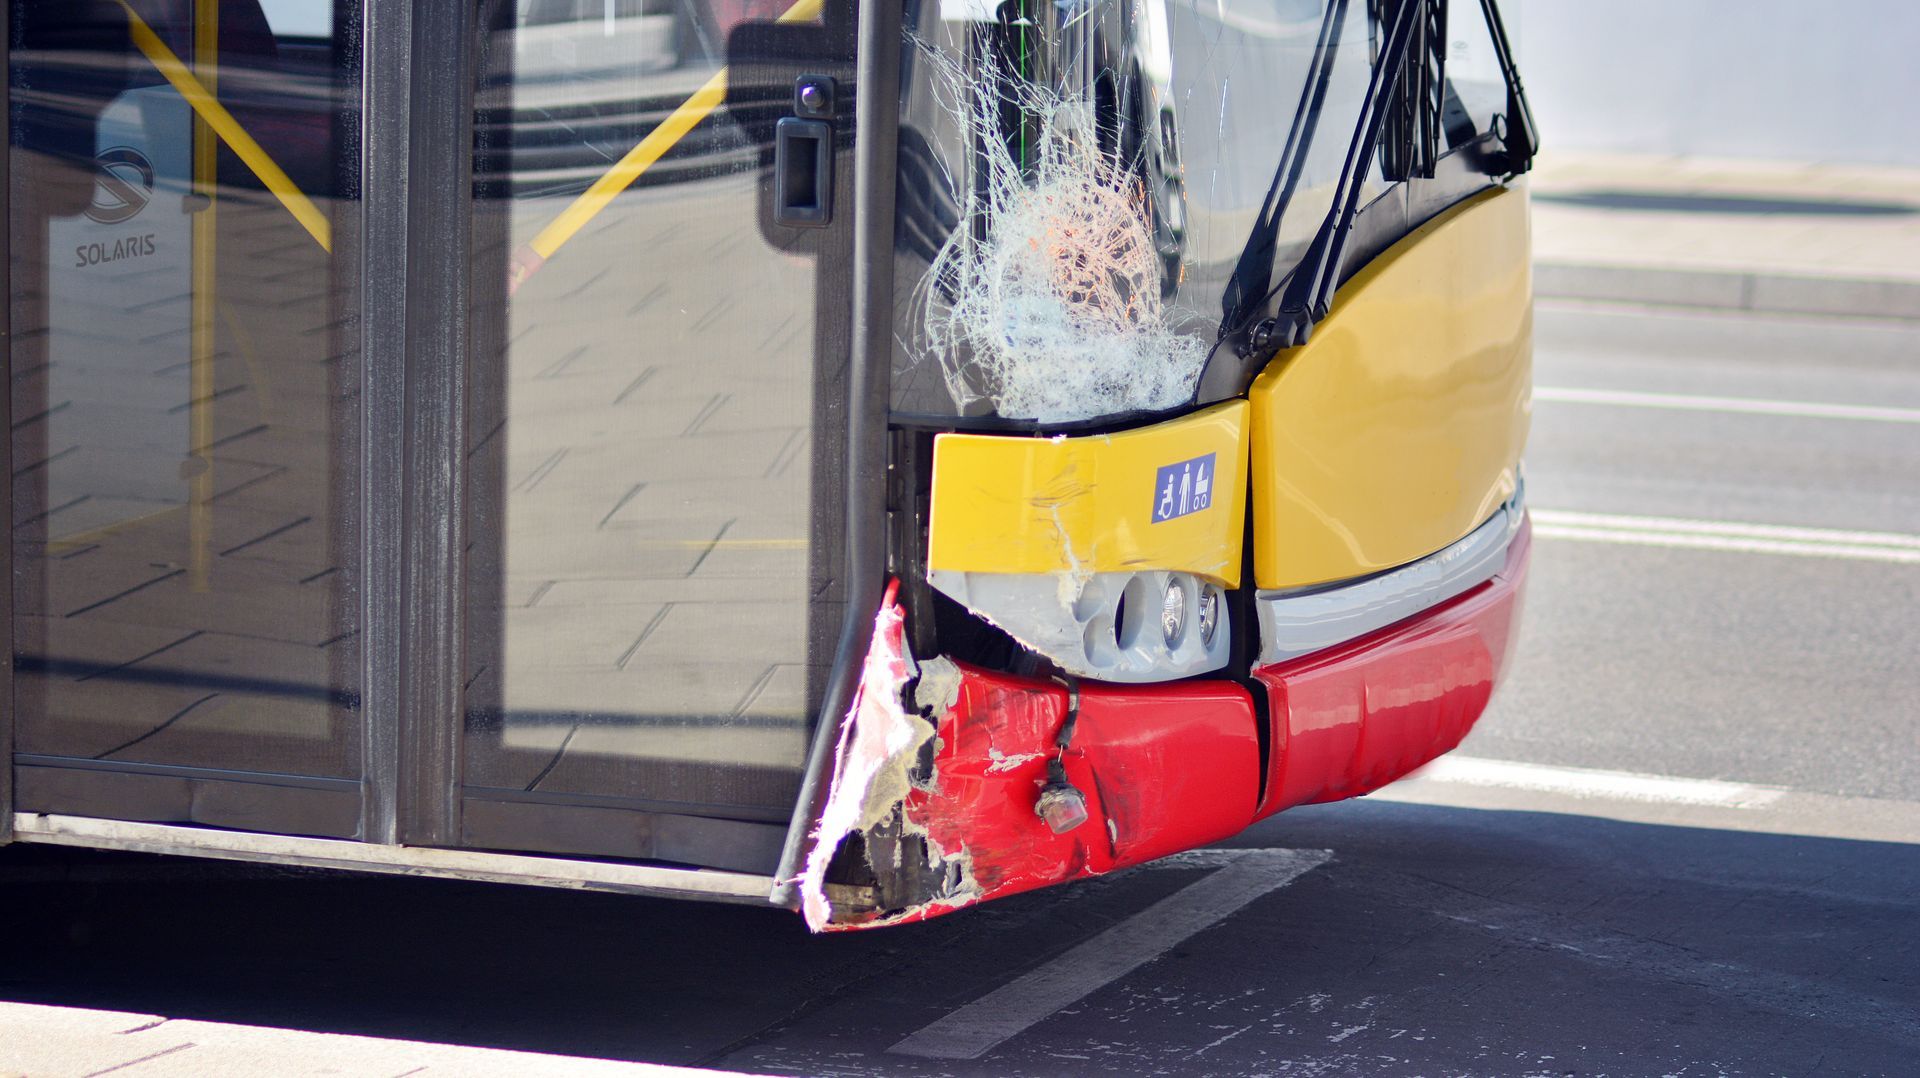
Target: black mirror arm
{"x":1522,"y":138}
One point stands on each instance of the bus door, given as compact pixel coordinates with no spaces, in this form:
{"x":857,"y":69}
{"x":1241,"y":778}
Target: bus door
{"x":184,"y":541}
{"x":213,"y":431}
{"x":662,"y":226}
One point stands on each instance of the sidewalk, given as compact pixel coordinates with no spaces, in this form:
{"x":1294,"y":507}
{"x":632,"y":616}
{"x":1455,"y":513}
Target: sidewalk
{"x":1743,"y":235}
{"x":68,"y":1042}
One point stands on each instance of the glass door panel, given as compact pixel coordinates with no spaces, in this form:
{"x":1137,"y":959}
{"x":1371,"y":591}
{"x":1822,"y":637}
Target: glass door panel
{"x":645,"y":414}
{"x":183,"y":184}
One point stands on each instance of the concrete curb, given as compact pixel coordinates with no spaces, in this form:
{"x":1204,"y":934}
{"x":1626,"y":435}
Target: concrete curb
{"x":1730,"y":290}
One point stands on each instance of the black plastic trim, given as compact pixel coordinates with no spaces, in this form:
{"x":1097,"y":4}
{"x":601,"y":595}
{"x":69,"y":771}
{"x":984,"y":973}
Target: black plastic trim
{"x":439,"y":242}
{"x":7,"y":706}
{"x":387,"y":41}
{"x":185,"y":771}
{"x":802,"y":173}
{"x":876,"y":143}
{"x":238,"y":800}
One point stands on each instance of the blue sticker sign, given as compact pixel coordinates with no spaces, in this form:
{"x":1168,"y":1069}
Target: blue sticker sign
{"x":1179,"y":489}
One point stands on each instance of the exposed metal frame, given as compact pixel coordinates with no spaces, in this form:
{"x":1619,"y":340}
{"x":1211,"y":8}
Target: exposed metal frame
{"x":395,"y":860}
{"x":877,"y":131}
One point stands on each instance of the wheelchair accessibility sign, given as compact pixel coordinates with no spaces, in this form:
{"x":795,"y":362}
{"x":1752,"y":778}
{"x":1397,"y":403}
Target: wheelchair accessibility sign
{"x":1183,"y":488}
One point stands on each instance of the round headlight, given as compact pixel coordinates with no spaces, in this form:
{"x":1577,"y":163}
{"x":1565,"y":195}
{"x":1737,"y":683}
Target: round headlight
{"x":1173,"y":612}
{"x":1209,"y":615}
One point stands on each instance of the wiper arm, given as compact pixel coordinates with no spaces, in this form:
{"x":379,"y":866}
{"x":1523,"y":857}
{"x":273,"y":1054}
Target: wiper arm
{"x":1253,"y":273}
{"x":1308,"y":291}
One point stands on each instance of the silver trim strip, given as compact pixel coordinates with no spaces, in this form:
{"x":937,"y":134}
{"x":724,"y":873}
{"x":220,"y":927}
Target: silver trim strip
{"x":1302,"y":621}
{"x":398,"y":860}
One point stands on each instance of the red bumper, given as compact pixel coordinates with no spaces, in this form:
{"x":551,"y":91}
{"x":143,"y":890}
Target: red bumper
{"x":1166,"y":768}
{"x":1351,"y":719}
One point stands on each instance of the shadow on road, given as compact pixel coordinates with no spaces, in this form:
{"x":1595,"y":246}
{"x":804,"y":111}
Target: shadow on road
{"x":1438,"y":938}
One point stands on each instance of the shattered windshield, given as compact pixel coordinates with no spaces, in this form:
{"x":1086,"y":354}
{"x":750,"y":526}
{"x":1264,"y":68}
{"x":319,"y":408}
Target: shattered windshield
{"x":1078,"y":182}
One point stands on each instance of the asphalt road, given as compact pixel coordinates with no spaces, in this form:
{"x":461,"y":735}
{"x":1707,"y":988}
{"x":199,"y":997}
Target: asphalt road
{"x":1800,"y":671}
{"x":1755,"y":909}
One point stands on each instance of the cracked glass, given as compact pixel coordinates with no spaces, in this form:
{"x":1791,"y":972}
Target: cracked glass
{"x":1180,"y":110}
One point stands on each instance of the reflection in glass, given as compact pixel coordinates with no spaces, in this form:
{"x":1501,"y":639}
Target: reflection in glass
{"x":642,"y":418}
{"x":183,"y":358}
{"x":1476,"y":87}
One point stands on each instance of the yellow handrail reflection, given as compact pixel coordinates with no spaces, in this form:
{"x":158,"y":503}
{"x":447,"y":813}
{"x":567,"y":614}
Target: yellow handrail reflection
{"x":550,"y":239}
{"x":216,"y":116}
{"x":636,"y":161}
{"x":206,"y":159}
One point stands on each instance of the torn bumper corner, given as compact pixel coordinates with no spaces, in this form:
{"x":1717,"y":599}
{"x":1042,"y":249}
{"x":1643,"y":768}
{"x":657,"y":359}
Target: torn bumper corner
{"x":1162,"y":769}
{"x":878,"y":743}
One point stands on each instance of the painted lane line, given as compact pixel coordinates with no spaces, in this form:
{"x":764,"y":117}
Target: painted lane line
{"x":1683,"y":402}
{"x":977,"y":1027}
{"x":1739,"y":546}
{"x":1587,"y":782}
{"x":1729,"y":528}
{"x":1734,"y":536}
{"x":1466,"y":782}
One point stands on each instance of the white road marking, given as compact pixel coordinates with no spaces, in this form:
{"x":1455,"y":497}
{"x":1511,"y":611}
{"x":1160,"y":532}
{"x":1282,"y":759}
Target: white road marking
{"x":1590,"y":782}
{"x":1683,"y":402}
{"x":974,"y":1029}
{"x":1734,"y":536}
{"x":1472,"y":782}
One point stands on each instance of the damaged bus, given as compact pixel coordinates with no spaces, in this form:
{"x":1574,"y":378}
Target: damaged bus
{"x":864,"y":458}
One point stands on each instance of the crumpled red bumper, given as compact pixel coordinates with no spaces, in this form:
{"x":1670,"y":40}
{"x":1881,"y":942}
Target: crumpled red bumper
{"x":1166,"y":768}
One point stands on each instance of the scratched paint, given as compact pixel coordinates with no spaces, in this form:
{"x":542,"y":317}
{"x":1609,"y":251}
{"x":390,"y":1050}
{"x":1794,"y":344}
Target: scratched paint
{"x":1164,"y":768}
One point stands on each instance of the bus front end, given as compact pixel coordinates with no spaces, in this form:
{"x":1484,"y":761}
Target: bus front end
{"x":1204,"y":494}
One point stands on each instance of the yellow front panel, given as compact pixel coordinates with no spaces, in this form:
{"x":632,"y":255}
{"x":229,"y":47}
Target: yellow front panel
{"x":1398,"y":427}
{"x":1042,"y":505}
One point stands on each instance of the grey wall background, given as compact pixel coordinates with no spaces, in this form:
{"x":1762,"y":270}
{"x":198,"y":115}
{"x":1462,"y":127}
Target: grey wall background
{"x":1830,"y":81}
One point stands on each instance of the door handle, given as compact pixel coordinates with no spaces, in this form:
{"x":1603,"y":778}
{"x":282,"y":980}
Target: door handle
{"x":803,"y":173}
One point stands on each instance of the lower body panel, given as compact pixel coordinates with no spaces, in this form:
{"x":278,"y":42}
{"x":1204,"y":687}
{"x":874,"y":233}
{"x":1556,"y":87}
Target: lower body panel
{"x":1349,"y":720}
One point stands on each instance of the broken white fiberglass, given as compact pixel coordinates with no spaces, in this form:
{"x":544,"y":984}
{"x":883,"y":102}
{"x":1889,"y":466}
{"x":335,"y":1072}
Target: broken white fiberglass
{"x":1078,"y":182}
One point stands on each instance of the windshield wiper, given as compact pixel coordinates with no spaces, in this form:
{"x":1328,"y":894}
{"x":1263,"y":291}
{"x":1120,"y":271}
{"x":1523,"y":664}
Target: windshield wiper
{"x":1253,"y":274}
{"x":1306,"y":292}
